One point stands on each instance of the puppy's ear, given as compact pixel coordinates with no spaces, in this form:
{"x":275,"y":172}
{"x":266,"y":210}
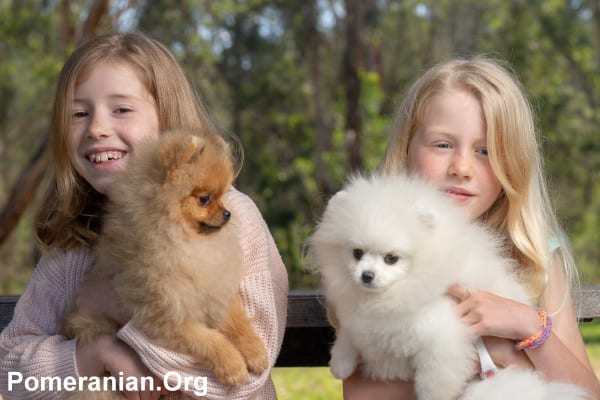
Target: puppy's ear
{"x":337,"y":198}
{"x":179,"y":150}
{"x":428,"y":217}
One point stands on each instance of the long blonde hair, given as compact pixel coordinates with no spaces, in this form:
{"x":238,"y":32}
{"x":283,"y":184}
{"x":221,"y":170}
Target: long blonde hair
{"x":522,"y":212}
{"x":70,"y":214}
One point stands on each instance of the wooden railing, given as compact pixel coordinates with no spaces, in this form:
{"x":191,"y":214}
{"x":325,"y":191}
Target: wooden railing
{"x":308,"y":335}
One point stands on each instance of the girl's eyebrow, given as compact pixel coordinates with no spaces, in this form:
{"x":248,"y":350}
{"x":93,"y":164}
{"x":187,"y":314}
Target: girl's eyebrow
{"x":440,"y":131}
{"x":116,"y":96}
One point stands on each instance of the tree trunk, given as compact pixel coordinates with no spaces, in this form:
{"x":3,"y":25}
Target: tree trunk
{"x":351,"y":70}
{"x":323,"y":131}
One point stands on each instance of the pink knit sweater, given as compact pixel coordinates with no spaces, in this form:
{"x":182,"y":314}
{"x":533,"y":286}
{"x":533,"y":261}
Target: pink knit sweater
{"x":32,"y":345}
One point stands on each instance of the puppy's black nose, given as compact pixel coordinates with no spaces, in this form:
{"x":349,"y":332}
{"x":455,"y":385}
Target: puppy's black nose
{"x":367,"y":276}
{"x":226,"y":214}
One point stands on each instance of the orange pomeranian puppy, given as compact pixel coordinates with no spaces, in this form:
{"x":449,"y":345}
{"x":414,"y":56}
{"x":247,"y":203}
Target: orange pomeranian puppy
{"x":175,"y":262}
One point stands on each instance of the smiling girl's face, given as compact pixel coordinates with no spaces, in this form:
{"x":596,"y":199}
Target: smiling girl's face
{"x":112,"y":113}
{"x":450,"y":149}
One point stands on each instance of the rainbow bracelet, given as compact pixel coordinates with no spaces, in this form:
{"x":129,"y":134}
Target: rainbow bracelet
{"x":540,"y":336}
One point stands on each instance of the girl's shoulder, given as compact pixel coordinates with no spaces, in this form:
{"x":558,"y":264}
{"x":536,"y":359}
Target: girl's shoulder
{"x":64,"y":267}
{"x":243,"y":208}
{"x":252,"y":230}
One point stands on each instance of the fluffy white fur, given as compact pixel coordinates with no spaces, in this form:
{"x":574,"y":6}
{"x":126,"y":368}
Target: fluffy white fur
{"x":387,"y":249}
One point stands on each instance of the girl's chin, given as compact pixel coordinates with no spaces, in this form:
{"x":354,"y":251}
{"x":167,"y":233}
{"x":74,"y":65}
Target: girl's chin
{"x":101,"y":187}
{"x":472,"y":213}
{"x":102,"y":184}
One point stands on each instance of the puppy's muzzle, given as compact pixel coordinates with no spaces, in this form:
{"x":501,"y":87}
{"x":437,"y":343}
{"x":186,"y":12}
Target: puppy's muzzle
{"x":226,"y":215}
{"x":367,"y":277}
{"x":206,"y":227}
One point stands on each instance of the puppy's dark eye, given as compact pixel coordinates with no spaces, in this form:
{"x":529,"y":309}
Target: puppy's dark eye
{"x":390,"y":259}
{"x":358,"y":253}
{"x":204,"y":200}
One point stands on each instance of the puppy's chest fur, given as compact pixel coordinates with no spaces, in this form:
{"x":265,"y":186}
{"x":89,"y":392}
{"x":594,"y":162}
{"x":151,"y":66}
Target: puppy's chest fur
{"x":388,"y":340}
{"x":196,"y":274}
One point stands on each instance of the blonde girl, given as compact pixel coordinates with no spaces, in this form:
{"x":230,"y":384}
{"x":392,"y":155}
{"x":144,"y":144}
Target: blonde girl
{"x":467,"y":126}
{"x":113,"y":92}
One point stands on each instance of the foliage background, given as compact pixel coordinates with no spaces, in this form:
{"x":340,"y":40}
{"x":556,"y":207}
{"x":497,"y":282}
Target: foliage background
{"x":311,"y":87}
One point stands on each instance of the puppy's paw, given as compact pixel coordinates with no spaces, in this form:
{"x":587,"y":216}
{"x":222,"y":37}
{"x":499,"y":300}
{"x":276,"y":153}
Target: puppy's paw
{"x":253,"y":350}
{"x":87,"y":328}
{"x":344,"y":357}
{"x":232,"y":371}
{"x":257,"y":360}
{"x":341,"y":369}
{"x":342,"y":363}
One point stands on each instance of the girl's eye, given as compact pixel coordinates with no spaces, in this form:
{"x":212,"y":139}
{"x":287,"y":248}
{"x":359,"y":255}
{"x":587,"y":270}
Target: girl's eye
{"x":390,"y":259}
{"x":122,"y":110}
{"x":442,"y":145}
{"x":358,"y":253}
{"x":483,"y":152}
{"x":80,"y":114}
{"x":204,"y":200}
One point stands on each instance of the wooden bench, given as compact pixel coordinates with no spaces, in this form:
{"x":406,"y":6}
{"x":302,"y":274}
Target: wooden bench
{"x":308,"y":335}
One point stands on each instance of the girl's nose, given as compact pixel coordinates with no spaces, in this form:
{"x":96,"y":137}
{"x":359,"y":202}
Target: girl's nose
{"x":98,"y":129}
{"x":461,"y":166}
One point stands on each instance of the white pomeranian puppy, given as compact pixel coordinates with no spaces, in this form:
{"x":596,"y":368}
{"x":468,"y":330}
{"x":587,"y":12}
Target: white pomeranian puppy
{"x":387,"y":249}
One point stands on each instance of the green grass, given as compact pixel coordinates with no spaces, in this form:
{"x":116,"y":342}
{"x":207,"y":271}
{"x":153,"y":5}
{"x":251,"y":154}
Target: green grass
{"x":591,"y":336}
{"x":306,"y":384}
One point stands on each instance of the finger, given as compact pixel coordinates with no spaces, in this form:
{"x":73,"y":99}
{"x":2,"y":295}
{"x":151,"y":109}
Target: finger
{"x":148,"y":395}
{"x":458,"y":292}
{"x":156,"y":393}
{"x":131,"y":395}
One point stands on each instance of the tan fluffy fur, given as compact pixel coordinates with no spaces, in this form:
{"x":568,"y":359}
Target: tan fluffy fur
{"x":176,"y":263}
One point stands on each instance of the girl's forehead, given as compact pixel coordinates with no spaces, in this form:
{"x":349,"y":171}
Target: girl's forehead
{"x":458,"y":92}
{"x":115,"y":64}
{"x":110,"y":80}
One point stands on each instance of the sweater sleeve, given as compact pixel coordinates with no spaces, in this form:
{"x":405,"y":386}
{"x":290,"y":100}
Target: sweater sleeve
{"x":31,"y":344}
{"x":264,"y":290}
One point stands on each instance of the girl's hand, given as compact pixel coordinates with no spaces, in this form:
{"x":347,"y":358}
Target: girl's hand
{"x":358,"y":387}
{"x":96,"y":296}
{"x":500,"y":321}
{"x":503,"y":353}
{"x":109,"y":354}
{"x":491,"y":315}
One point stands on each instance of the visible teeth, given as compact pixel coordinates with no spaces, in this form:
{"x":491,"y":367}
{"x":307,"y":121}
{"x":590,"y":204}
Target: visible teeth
{"x":105,"y":156}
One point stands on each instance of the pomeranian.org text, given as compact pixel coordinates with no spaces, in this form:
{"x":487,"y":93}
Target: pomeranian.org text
{"x":173,"y":381}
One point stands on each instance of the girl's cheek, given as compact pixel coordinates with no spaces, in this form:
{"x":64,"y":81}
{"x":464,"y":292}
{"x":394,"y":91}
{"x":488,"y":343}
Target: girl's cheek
{"x":417,"y":161}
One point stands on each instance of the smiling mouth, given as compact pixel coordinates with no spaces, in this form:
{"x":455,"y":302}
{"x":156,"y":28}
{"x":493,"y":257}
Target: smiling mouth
{"x":458,"y":193}
{"x":105,"y":156}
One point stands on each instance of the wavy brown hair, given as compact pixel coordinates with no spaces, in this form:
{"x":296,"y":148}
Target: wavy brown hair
{"x":70,"y":214}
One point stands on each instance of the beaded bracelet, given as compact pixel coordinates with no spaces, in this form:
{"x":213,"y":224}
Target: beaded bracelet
{"x":540,"y":336}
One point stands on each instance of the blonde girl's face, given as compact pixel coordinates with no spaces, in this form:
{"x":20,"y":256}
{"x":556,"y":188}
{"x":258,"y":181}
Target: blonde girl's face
{"x":450,"y":149}
{"x":112,"y":112}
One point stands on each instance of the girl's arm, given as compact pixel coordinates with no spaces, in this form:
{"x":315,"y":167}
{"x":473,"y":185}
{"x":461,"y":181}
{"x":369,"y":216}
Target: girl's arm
{"x":561,"y":358}
{"x":357,"y":387}
{"x":32,"y":348}
{"x":31,"y":345}
{"x":264,"y":292}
